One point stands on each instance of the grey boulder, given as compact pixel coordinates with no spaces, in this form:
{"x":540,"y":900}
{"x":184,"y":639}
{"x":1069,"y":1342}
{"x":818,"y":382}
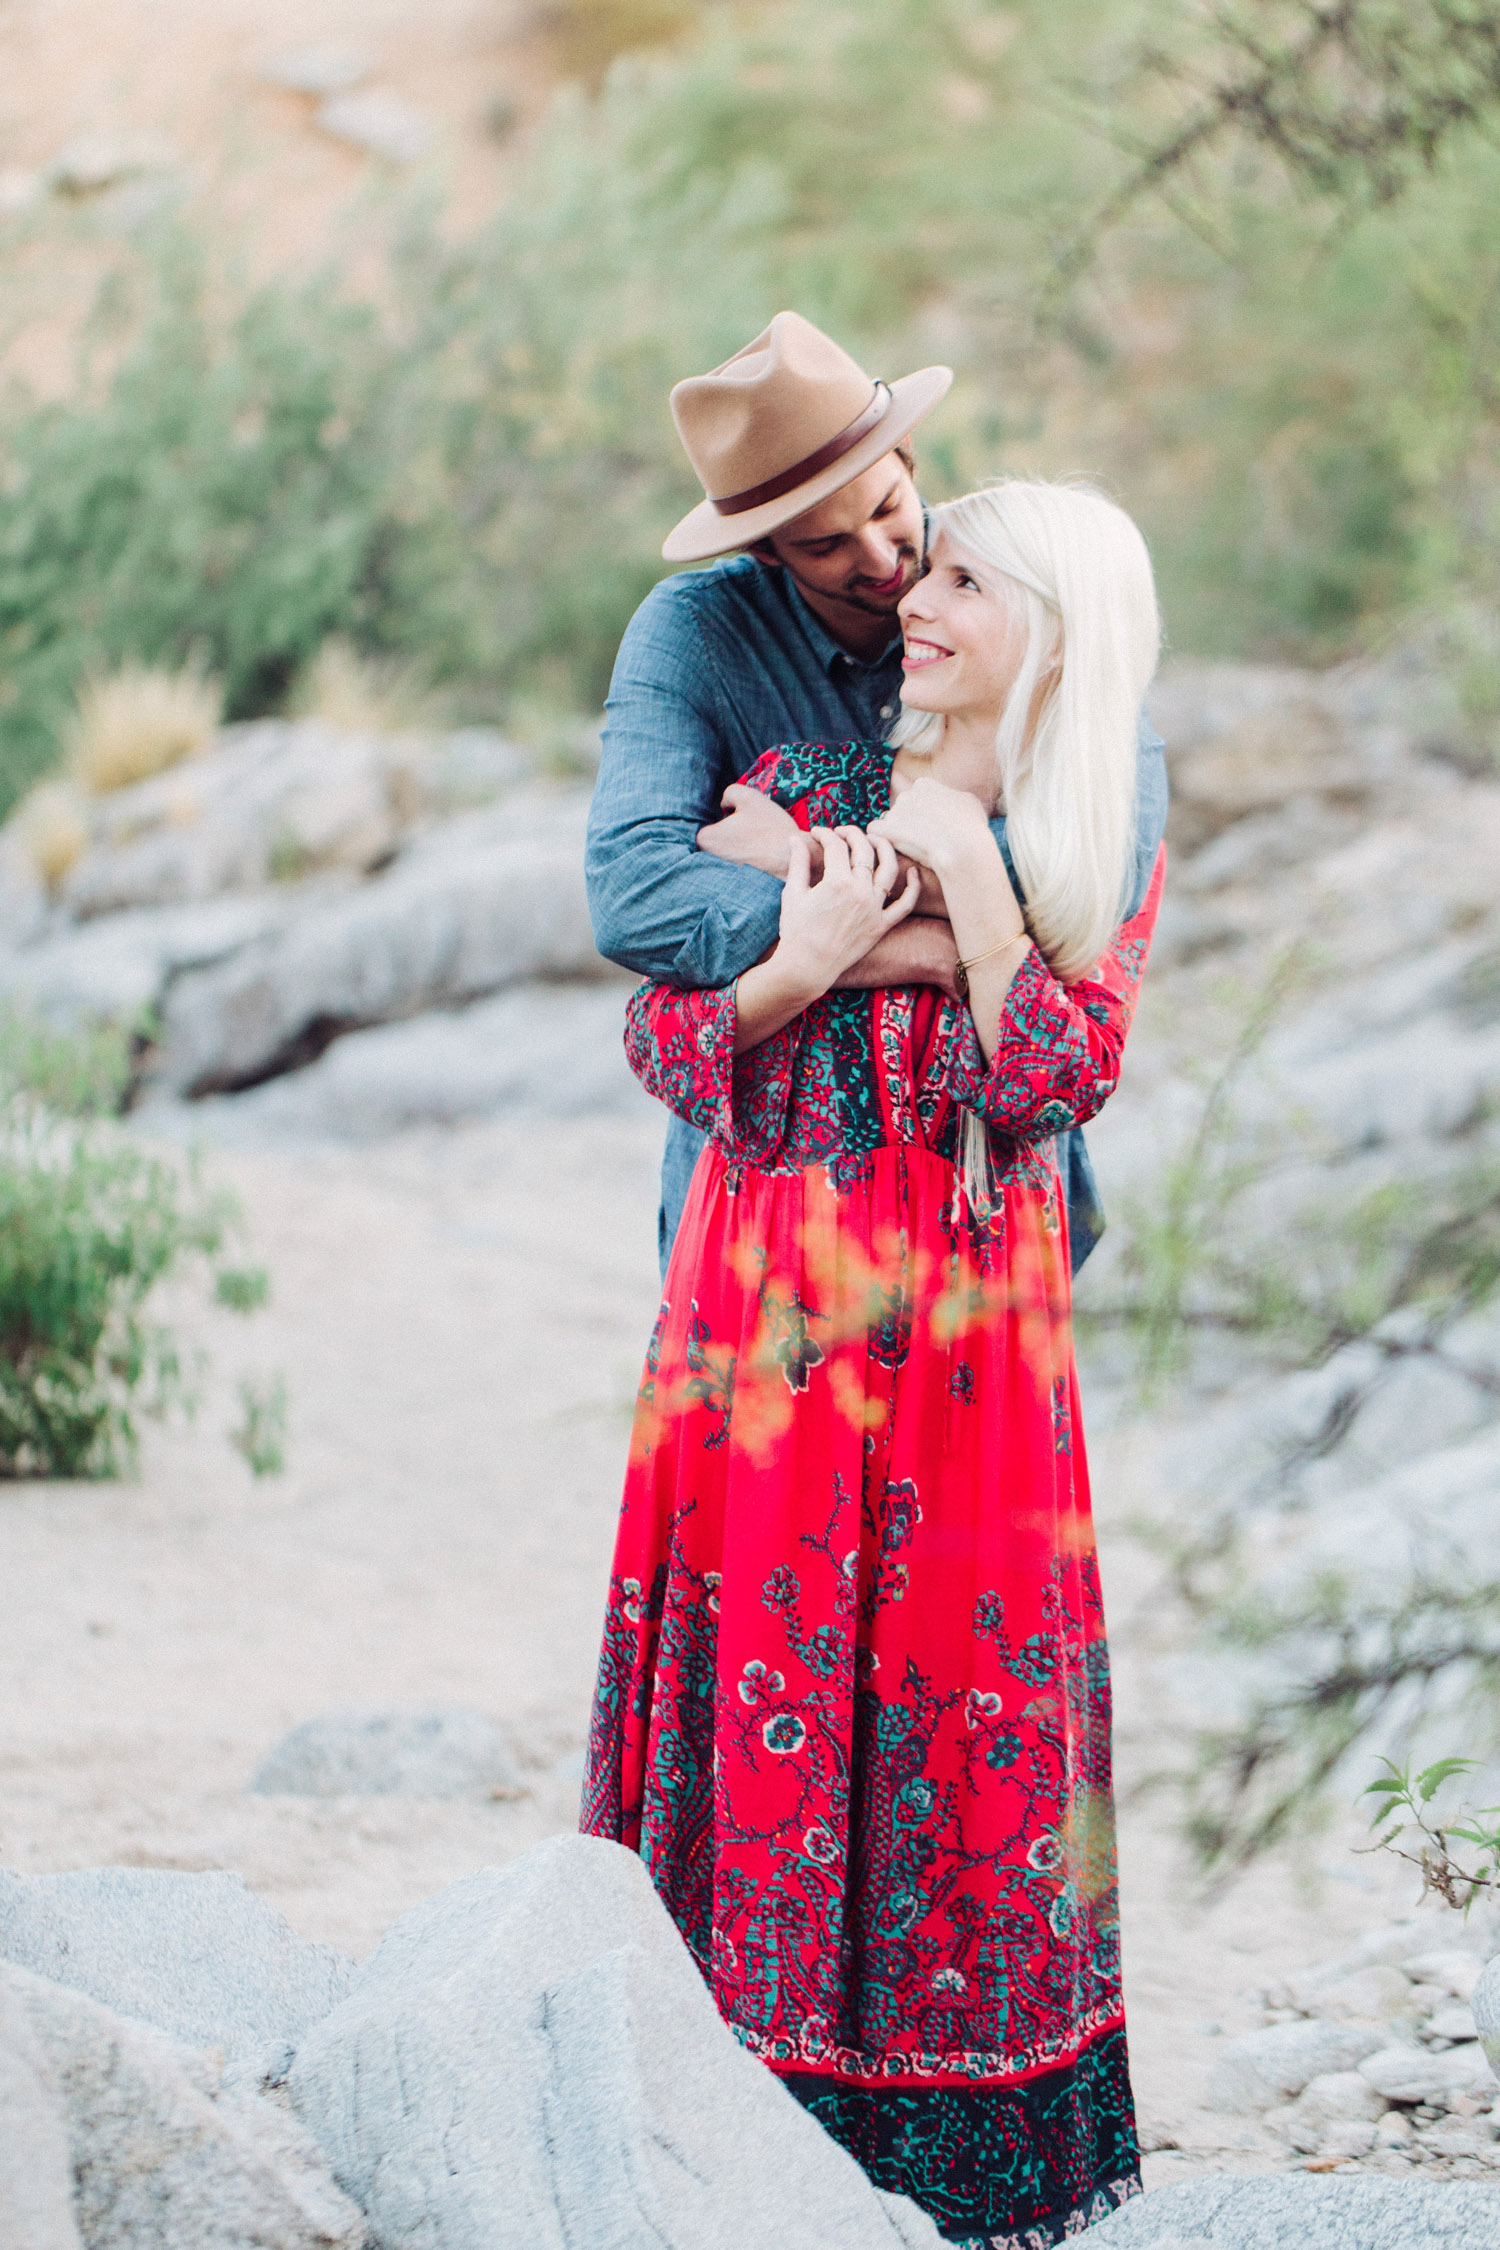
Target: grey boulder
{"x":1485,"y":2005}
{"x":36,"y":2163}
{"x":438,"y":1753}
{"x":1426,"y":2074}
{"x":531,"y":2061}
{"x":156,"y":2162}
{"x":486,"y":900}
{"x":198,"y":1956}
{"x":541,"y":1051}
{"x":1273,"y":2065}
{"x":1295,"y":2212}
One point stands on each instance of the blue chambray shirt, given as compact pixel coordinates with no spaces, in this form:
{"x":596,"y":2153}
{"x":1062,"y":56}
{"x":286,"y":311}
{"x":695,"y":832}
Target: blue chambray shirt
{"x":717,"y":666}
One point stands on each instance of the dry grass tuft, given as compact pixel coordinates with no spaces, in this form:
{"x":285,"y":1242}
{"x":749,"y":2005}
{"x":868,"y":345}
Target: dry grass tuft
{"x":361,"y":694}
{"x":54,"y":827}
{"x":588,"y":34}
{"x":136,"y":722}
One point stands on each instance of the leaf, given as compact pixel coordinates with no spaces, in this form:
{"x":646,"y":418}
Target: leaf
{"x":1431,"y":1778}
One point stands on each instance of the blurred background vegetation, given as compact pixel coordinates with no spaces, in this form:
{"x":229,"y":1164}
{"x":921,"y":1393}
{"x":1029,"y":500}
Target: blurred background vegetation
{"x":1240,"y":263}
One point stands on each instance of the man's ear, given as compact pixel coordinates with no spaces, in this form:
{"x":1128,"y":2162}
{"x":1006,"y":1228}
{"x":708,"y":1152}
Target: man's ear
{"x":764,"y":552}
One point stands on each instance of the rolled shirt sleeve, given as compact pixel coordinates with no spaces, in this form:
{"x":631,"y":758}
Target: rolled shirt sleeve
{"x":659,"y":905}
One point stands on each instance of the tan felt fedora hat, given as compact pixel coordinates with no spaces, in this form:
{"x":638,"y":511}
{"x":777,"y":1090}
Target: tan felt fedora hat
{"x":779,"y":427}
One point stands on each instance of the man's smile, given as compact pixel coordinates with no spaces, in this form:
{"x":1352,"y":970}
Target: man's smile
{"x":895,"y":584}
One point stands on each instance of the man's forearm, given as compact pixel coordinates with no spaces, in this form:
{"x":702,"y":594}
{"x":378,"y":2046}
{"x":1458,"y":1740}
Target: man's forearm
{"x":921,"y":951}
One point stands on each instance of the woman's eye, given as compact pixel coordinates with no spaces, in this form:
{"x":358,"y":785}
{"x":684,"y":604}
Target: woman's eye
{"x":965,"y":580}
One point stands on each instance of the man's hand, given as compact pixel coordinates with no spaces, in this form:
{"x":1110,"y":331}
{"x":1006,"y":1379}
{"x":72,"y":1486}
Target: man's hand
{"x":921,"y":951}
{"x":937,"y":826}
{"x":755,"y":832}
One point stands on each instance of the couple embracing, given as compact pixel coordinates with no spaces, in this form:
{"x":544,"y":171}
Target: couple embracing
{"x":878,"y":820}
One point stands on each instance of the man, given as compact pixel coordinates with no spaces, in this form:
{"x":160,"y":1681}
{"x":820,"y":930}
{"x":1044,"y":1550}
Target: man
{"x":794,"y":638}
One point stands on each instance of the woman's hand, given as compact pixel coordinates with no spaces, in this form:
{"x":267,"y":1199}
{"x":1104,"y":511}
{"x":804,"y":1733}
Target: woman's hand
{"x":825,"y":927}
{"x":934,"y":825}
{"x":829,"y":925}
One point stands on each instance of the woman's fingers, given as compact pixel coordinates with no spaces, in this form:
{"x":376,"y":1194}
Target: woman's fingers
{"x":887,"y":866}
{"x":799,"y":862}
{"x":897,"y":908}
{"x":861,"y":850}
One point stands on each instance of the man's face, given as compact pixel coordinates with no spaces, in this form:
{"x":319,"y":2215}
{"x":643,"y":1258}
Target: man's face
{"x":858,"y":551}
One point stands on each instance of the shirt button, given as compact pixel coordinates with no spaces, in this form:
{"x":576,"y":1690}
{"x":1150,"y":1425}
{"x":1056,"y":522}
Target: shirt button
{"x":886,"y":709}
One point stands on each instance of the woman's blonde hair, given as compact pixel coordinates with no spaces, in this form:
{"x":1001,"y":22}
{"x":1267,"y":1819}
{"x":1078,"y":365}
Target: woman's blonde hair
{"x":1066,"y":744}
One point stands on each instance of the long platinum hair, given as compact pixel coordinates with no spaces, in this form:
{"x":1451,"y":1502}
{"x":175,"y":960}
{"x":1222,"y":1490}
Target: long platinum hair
{"x":1066,"y":743}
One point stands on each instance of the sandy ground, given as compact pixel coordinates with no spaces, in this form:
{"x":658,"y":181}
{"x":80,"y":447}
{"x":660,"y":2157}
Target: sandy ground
{"x":460,"y":1318}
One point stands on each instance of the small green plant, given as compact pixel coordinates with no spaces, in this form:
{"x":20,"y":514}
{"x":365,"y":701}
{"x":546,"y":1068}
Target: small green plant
{"x":90,"y":1225}
{"x":260,"y":1433}
{"x":242,"y":1289}
{"x":1459,"y":1859}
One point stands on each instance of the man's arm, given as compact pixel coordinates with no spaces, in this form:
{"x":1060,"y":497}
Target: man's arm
{"x":659,"y":905}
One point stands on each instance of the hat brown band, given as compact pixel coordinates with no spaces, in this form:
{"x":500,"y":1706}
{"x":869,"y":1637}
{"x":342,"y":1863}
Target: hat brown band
{"x":738,"y":503}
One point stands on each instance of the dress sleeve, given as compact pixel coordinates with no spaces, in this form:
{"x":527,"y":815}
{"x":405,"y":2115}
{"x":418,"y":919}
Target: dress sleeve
{"x":681,"y":1047}
{"x":1058,"y":1060}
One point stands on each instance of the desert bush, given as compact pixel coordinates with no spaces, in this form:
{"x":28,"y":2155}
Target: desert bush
{"x":136,"y":721}
{"x":90,"y":1225}
{"x":363,"y":693}
{"x":55,"y":829}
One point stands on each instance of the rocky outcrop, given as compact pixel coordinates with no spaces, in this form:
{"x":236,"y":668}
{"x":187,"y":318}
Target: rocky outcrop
{"x":245,"y":909}
{"x":36,"y":2157}
{"x":200,"y":1957}
{"x":133,"y":2143}
{"x":531,"y":2060}
{"x":488,"y":900}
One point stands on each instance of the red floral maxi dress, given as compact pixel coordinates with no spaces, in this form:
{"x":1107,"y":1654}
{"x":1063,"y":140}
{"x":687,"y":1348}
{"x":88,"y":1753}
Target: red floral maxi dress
{"x":853,"y":1703}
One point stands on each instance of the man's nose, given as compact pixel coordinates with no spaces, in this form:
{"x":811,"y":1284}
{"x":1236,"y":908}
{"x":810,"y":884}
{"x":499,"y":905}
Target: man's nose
{"x":879,"y":553}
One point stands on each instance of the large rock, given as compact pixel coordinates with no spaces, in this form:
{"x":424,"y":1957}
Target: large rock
{"x":488,"y":900}
{"x":271,"y":803}
{"x":1301,"y":2213}
{"x":530,"y":2061}
{"x":198,"y":1956}
{"x":1427,"y":2074}
{"x":119,"y":968}
{"x":389,"y":1754}
{"x":542,"y":1051}
{"x":156,"y":2162}
{"x":36,"y":2163}
{"x":1263,"y":2067}
{"x":1485,"y":2005}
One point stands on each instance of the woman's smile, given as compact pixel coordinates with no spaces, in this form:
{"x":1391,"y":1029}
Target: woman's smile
{"x":919,"y":653}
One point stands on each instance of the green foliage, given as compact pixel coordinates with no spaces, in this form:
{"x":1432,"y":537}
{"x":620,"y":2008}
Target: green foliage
{"x":243,"y":1289}
{"x":260,"y":1434}
{"x":1405,"y":1824}
{"x":216,"y":500}
{"x":1345,"y":1668}
{"x":1287,"y":377}
{"x":90,"y":1226}
{"x":77,"y":1073}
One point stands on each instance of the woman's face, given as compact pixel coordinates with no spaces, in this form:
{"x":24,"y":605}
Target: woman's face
{"x":965,"y":633}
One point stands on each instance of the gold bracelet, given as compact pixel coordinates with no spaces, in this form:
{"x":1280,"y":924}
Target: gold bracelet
{"x":961,"y":974}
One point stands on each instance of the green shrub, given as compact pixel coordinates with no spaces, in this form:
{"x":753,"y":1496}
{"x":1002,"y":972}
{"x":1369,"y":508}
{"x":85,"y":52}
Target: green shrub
{"x":90,"y":1225}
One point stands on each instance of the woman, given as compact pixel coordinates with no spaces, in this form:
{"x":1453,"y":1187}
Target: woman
{"x":853,"y":1699}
